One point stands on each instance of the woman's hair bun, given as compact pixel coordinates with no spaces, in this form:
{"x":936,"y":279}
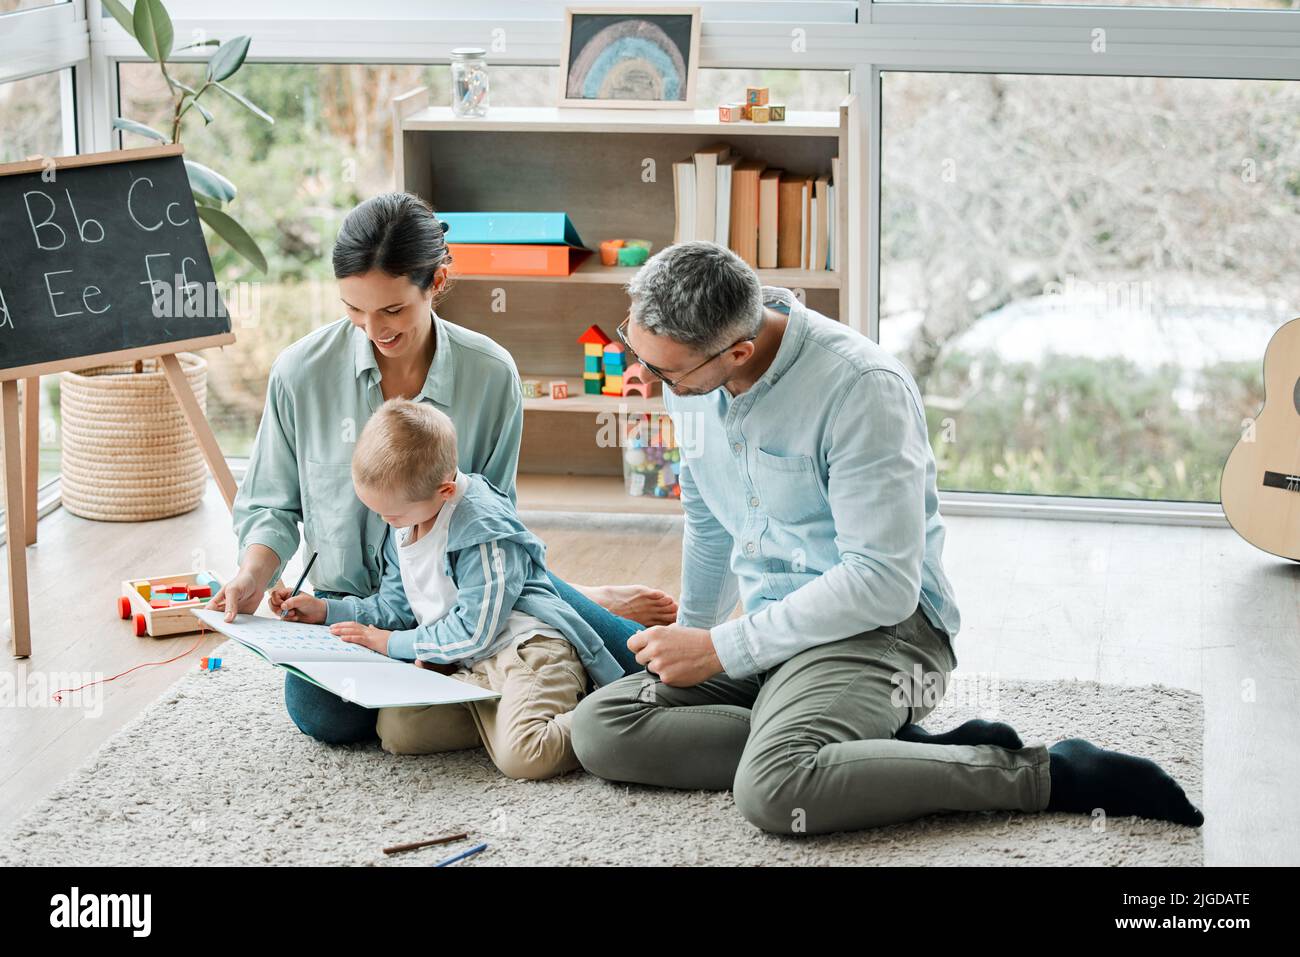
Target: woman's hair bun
{"x":444,"y":226}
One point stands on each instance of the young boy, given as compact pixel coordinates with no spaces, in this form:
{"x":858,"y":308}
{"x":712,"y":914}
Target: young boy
{"x":464,"y":584}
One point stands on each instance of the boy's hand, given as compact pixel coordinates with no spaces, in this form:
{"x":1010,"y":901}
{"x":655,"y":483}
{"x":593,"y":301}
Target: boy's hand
{"x":301,"y":607}
{"x":376,"y":639}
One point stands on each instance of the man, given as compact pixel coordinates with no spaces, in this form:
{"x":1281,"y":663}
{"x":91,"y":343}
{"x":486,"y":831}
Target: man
{"x":809,"y":491}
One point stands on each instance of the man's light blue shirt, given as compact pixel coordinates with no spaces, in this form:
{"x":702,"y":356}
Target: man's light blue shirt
{"x":811,"y":497}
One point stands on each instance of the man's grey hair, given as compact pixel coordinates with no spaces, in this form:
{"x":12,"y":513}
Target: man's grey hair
{"x":697,"y":293}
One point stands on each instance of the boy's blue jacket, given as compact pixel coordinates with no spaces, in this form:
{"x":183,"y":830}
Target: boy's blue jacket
{"x":498,"y":565}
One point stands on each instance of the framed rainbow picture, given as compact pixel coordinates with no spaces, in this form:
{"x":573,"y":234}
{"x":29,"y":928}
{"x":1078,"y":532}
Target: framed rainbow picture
{"x":630,"y":57}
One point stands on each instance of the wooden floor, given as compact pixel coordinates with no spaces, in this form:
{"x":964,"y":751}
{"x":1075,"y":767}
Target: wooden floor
{"x":1128,"y":604}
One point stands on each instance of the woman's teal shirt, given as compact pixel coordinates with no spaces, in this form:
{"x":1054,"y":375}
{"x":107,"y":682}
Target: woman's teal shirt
{"x":321,"y":392}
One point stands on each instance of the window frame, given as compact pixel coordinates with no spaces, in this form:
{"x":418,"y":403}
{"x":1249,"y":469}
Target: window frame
{"x":1025,"y":38}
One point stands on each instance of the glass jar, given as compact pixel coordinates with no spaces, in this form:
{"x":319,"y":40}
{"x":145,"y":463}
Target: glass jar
{"x":469,"y":81}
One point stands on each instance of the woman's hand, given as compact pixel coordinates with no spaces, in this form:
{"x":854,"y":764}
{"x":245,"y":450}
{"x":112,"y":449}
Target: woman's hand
{"x":300,"y":607}
{"x":376,"y":639}
{"x":240,"y":595}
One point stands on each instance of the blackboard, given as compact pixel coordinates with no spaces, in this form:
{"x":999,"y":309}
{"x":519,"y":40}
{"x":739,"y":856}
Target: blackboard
{"x":99,"y":255}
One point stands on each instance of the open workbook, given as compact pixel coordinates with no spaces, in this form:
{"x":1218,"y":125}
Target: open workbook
{"x":351,"y":671}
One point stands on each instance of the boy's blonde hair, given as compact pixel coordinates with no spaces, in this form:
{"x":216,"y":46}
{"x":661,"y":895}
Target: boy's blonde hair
{"x":406,"y":447}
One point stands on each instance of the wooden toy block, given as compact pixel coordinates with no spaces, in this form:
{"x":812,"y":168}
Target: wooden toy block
{"x":591,"y":386}
{"x":776,"y":112}
{"x":636,"y":381}
{"x":532,"y":388}
{"x":199,"y":591}
{"x":591,"y":363}
{"x":594,"y":336}
{"x":745,"y":110}
{"x":760,"y":114}
{"x":613,"y":385}
{"x":160,"y":603}
{"x":731,"y":112}
{"x":756,"y":95}
{"x":560,"y":388}
{"x":145,"y":590}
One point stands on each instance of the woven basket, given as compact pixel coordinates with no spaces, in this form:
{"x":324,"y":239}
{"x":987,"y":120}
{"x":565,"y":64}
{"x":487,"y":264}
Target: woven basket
{"x":128,"y":452}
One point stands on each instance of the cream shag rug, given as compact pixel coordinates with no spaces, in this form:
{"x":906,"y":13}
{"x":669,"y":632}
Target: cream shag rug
{"x":215,"y":773}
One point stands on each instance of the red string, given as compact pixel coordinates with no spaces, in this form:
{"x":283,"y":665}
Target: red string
{"x":203,"y":631}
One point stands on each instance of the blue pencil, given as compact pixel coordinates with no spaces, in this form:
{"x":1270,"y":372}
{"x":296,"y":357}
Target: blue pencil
{"x":462,"y":855}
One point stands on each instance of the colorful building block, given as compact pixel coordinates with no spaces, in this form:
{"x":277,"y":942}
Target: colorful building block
{"x":636,"y":381}
{"x":559,"y":389}
{"x":731,"y":112}
{"x":756,"y":95}
{"x":760,"y":114}
{"x":777,"y":112}
{"x":145,"y":590}
{"x":532,"y":388}
{"x":199,"y":591}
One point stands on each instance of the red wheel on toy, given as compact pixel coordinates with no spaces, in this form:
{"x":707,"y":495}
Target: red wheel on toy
{"x":123,"y":607}
{"x":141,"y":627}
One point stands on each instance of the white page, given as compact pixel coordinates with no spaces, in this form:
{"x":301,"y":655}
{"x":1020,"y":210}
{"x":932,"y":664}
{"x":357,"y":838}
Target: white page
{"x":395,"y":684}
{"x":280,"y":642}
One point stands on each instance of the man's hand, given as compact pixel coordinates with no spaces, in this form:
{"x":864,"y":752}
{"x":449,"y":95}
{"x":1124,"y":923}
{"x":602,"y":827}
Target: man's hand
{"x":680,"y":656}
{"x":299,"y":607}
{"x":376,"y":639}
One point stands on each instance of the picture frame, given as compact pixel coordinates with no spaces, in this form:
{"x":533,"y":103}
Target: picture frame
{"x":632,"y":52}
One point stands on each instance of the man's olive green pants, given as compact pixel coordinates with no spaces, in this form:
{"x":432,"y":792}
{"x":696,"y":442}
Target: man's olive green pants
{"x":809,"y":747}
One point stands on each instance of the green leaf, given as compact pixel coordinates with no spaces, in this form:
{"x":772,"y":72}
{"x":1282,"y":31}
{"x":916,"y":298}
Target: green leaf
{"x":201,"y":200}
{"x":228,"y":58}
{"x":247,"y":104}
{"x":131,"y":126}
{"x":233,"y":233}
{"x":196,"y":45}
{"x":153,"y":29}
{"x":207,"y":114}
{"x":121,"y":14}
{"x":209,"y":182}
{"x":178,"y":85}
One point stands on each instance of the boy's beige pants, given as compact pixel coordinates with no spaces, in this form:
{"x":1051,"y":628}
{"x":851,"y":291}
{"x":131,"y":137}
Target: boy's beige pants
{"x":527,"y":731}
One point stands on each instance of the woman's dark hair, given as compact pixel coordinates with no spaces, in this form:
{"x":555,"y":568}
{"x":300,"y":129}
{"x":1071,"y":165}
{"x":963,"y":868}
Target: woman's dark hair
{"x":397,"y":233}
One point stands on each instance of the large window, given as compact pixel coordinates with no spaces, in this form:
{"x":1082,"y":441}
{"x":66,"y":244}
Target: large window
{"x":1083,"y":272}
{"x":330,"y":148}
{"x":36,"y":120}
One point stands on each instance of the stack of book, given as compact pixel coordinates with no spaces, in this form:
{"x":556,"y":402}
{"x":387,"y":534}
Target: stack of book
{"x":769,"y":217}
{"x":513,"y":244}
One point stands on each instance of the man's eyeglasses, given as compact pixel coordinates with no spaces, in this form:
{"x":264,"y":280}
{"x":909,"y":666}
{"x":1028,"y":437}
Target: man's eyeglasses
{"x":672,"y":382}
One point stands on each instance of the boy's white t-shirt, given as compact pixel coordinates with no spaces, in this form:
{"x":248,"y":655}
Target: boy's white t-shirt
{"x":432,"y":594}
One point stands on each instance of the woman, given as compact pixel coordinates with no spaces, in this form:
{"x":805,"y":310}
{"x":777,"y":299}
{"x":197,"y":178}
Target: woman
{"x":392,"y":263}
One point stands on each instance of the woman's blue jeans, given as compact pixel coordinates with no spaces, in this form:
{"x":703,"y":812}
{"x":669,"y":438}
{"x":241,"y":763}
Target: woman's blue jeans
{"x":327,"y":717}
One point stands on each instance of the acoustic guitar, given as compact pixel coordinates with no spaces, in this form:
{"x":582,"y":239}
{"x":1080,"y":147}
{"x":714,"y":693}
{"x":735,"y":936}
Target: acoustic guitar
{"x":1260,"y":489}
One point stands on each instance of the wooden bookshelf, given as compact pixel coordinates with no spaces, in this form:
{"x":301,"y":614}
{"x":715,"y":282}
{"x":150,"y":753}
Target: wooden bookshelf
{"x":611,"y":171}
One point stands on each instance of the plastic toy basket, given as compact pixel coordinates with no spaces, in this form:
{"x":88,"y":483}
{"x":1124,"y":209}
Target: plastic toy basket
{"x":651,"y":458}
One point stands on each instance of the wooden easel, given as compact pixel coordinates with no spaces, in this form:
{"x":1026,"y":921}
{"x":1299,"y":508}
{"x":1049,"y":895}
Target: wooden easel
{"x":22,"y":447}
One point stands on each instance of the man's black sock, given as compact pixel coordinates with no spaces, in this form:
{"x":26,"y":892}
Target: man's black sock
{"x":1086,"y":777}
{"x":975,"y":731}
